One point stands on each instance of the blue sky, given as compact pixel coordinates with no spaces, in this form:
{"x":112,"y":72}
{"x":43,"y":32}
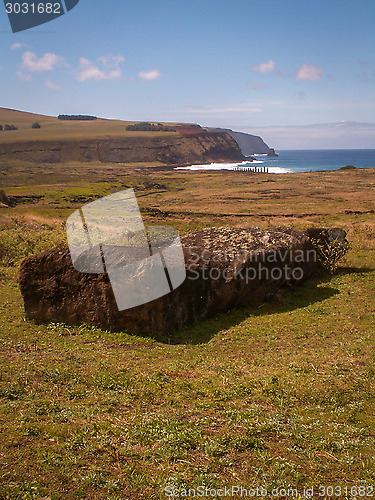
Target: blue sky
{"x":261,"y":66}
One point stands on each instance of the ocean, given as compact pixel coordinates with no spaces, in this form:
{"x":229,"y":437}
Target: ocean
{"x":290,"y":161}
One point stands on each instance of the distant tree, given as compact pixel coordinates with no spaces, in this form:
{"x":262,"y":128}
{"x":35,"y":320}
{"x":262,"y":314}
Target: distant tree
{"x":77,"y":117}
{"x":13,"y":127}
{"x":144,"y":127}
{"x":1,"y":128}
{"x":7,"y":127}
{"x":35,"y":125}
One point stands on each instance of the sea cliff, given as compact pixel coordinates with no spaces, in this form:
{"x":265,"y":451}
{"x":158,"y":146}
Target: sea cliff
{"x":248,"y":143}
{"x":168,"y":149}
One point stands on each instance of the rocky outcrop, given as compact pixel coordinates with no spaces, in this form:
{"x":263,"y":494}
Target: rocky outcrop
{"x":167,"y":149}
{"x":226,"y":268}
{"x":271,"y":152}
{"x":249,"y":144}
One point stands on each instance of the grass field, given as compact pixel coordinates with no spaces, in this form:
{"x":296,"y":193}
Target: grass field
{"x":278,"y":396}
{"x":53,"y":129}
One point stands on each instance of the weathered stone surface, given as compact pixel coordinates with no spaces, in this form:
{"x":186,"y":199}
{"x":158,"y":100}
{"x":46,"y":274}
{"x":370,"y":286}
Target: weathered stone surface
{"x":226,"y":267}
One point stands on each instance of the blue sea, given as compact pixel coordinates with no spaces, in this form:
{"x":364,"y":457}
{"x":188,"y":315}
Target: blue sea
{"x":301,"y":161}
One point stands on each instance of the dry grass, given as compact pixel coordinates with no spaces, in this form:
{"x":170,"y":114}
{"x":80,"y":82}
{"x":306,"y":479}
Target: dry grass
{"x":53,"y":129}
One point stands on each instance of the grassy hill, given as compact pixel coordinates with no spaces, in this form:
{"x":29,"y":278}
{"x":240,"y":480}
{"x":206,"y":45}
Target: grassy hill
{"x":108,"y":141}
{"x":54,"y":129}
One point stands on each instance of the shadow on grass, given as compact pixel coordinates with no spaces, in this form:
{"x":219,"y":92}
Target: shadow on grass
{"x":287,"y":299}
{"x":352,"y":270}
{"x":327,"y":277}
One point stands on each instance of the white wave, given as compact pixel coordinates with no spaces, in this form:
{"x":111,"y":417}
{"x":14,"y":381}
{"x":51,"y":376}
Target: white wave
{"x":215,"y":166}
{"x":232,"y":166}
{"x":279,"y":170}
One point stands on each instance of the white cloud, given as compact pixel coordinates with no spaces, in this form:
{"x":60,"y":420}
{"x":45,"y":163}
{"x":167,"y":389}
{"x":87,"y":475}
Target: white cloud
{"x":265,"y":67}
{"x":154,"y":74}
{"x":90,"y":71}
{"x":111,"y":61}
{"x":47,"y":62}
{"x":51,"y":85}
{"x":309,"y":72}
{"x":24,"y":77}
{"x":18,"y":45}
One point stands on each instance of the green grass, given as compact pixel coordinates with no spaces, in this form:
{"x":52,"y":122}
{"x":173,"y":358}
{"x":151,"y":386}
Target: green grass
{"x":277,"y":395}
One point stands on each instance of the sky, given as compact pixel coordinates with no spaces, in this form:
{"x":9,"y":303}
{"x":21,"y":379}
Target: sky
{"x":299,"y":73}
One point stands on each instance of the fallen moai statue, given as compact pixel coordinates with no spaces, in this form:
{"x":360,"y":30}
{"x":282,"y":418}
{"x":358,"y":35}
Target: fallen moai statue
{"x":225,"y":268}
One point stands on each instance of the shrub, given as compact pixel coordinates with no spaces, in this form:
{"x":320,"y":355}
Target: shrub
{"x":330,"y":251}
{"x":144,"y":127}
{"x":35,"y":125}
{"x":1,"y":128}
{"x":149,"y":127}
{"x":19,"y":239}
{"x":348,"y":167}
{"x":77,"y":117}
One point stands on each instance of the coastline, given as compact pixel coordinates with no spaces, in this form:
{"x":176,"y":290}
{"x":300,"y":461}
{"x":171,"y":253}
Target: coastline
{"x":296,"y":161}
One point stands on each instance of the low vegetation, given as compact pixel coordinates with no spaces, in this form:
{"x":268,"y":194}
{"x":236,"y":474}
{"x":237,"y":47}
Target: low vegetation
{"x":77,"y":117}
{"x":8,"y":127}
{"x":149,"y":127}
{"x":331,"y":252}
{"x":278,"y":396}
{"x":348,"y":167}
